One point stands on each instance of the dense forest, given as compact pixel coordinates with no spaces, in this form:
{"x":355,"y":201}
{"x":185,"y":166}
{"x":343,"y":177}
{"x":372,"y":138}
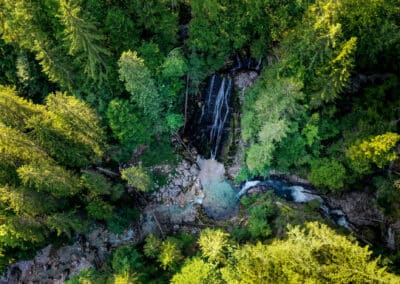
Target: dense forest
{"x":97,"y":95}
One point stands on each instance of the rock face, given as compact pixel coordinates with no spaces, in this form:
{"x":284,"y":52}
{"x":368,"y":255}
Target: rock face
{"x":370,"y":223}
{"x":245,"y":79}
{"x":171,"y":208}
{"x":360,"y":208}
{"x":54,"y":265}
{"x":183,"y":187}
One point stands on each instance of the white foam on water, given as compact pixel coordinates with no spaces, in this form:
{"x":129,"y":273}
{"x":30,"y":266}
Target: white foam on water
{"x":301,"y":195}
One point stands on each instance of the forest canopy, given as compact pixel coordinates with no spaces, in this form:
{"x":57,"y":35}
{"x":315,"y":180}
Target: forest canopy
{"x":97,"y":96}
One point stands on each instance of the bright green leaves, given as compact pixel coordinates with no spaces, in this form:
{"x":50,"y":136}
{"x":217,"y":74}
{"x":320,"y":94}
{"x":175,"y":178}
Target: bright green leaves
{"x":52,"y":179}
{"x":378,"y":150}
{"x":16,"y":148}
{"x":170,"y":254}
{"x":174,"y":65}
{"x":268,"y":109}
{"x":24,"y":201}
{"x":152,"y":246}
{"x":196,"y":271}
{"x":259,"y":157}
{"x":310,"y":255}
{"x":327,"y":173}
{"x":69,"y":131}
{"x":139,"y":83}
{"x":174,"y":122}
{"x":313,"y":253}
{"x":21,"y":232}
{"x":214,"y":244}
{"x":319,"y":54}
{"x":137,"y":177}
{"x":14,"y":110}
{"x":37,"y":144}
{"x":77,"y":121}
{"x":152,"y":107}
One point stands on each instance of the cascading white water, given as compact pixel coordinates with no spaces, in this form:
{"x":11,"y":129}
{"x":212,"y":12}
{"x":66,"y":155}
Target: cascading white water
{"x":297,"y":194}
{"x":220,"y":115}
{"x":215,"y":108}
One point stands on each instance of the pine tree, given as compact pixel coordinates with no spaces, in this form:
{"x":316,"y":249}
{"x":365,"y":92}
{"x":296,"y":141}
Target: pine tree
{"x":140,"y":84}
{"x":84,"y":40}
{"x":14,"y":110}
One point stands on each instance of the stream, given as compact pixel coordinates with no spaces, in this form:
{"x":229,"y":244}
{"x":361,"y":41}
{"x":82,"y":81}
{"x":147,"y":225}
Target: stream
{"x":221,"y":197}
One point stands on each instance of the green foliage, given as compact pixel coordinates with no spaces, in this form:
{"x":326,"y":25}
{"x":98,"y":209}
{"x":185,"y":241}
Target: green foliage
{"x":220,"y":27}
{"x":83,"y":40}
{"x":137,"y":177}
{"x":169,"y":254}
{"x":39,"y":148}
{"x":17,"y":149}
{"x":23,"y":201}
{"x":388,"y":196}
{"x":122,"y":218}
{"x":175,"y":65}
{"x":378,"y":150}
{"x":122,"y":31}
{"x":126,"y":259}
{"x":313,"y":254}
{"x":159,"y":20}
{"x":258,"y":225}
{"x":76,"y":120}
{"x":130,"y":129}
{"x":243,"y":175}
{"x":159,"y":152}
{"x":320,"y":54}
{"x":214,"y":244}
{"x":50,"y":179}
{"x":21,"y":232}
{"x":264,"y":129}
{"x":152,"y":246}
{"x":140,"y":84}
{"x":88,"y":276}
{"x":15,"y":110}
{"x":261,"y":210}
{"x":298,"y":117}
{"x":99,"y":209}
{"x":96,"y":183}
{"x":200,"y":272}
{"x":377,"y":30}
{"x":291,"y":152}
{"x":174,"y":122}
{"x":67,"y":223}
{"x":327,"y":173}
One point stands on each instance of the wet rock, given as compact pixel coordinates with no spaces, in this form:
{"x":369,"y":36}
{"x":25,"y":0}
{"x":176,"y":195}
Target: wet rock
{"x":360,"y":208}
{"x":245,"y":79}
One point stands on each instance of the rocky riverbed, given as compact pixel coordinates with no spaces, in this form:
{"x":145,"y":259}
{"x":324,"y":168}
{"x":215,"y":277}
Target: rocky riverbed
{"x":176,"y":207}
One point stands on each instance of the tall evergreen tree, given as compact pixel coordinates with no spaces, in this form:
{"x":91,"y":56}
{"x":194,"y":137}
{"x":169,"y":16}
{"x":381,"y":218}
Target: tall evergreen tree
{"x":84,"y":40}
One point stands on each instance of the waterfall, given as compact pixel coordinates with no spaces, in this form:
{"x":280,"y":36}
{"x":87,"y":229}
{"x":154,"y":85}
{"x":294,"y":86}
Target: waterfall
{"x":220,"y":115}
{"x":391,"y":240}
{"x":215,"y":109}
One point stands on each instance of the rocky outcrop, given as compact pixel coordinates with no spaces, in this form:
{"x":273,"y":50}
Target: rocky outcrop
{"x":171,"y":208}
{"x":360,"y":207}
{"x":370,"y":223}
{"x":55,"y":265}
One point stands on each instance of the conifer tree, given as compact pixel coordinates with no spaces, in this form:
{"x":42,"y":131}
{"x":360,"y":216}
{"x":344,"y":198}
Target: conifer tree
{"x":84,"y":40}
